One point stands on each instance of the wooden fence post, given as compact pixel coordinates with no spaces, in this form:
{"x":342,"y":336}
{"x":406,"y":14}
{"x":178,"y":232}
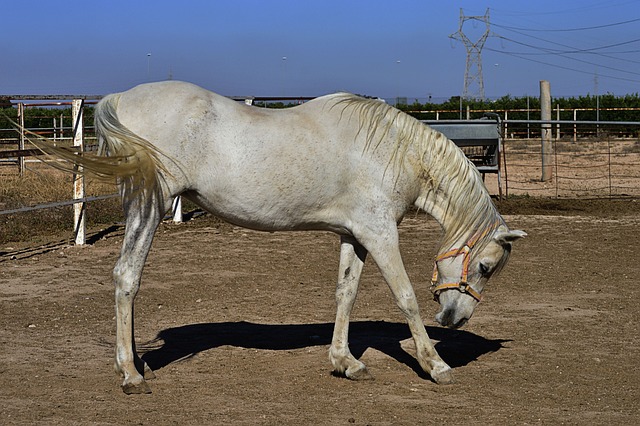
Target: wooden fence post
{"x":79,"y":223}
{"x":545,"y":115}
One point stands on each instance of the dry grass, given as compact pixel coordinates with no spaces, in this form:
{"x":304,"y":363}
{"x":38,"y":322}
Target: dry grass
{"x":42,"y":184}
{"x":632,"y":148}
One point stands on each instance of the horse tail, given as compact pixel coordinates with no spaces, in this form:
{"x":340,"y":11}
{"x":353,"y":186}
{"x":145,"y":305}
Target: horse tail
{"x":131,"y":160}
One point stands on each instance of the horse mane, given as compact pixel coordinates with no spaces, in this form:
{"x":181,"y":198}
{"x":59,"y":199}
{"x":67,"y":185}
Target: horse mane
{"x":445,"y":168}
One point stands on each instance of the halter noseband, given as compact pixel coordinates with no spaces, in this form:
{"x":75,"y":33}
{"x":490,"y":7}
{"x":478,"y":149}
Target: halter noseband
{"x":462,"y":285}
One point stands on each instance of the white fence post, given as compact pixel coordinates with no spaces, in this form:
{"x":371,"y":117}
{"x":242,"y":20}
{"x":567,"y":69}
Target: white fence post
{"x":22,"y":137}
{"x":558,"y":125}
{"x":177,"y":209}
{"x":575,"y":128}
{"x":79,"y":223}
{"x":505,"y":125}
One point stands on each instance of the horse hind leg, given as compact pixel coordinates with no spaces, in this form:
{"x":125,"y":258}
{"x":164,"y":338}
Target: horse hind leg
{"x":352,"y":257}
{"x":142,"y":218}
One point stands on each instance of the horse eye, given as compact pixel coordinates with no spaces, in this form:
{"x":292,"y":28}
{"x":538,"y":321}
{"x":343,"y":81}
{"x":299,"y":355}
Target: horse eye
{"x":484,"y":269}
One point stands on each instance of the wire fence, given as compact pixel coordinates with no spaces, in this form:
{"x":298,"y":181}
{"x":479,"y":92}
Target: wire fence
{"x":596,"y":166}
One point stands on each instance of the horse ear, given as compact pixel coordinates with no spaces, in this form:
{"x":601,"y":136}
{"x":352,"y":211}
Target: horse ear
{"x":507,"y":237}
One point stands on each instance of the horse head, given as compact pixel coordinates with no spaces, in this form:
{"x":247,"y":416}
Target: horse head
{"x":461,"y":273}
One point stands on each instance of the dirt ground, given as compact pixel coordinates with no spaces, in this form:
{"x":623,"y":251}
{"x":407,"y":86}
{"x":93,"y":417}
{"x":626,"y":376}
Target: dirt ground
{"x":237,"y":326}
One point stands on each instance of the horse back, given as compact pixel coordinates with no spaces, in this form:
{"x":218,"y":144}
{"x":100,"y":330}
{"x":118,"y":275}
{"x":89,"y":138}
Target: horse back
{"x":301,"y":167}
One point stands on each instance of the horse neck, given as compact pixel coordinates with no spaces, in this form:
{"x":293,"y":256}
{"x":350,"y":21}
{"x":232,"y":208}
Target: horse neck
{"x":437,"y":206}
{"x":457,"y":200}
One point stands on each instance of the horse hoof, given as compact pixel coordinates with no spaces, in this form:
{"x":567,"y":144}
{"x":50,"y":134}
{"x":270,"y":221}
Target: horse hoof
{"x":359,"y":374}
{"x":148,"y":373}
{"x":444,"y":377}
{"x":136,"y":388}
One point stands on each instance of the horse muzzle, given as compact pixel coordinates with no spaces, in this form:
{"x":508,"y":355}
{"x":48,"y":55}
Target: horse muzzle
{"x":456,"y":308}
{"x":450,"y":318}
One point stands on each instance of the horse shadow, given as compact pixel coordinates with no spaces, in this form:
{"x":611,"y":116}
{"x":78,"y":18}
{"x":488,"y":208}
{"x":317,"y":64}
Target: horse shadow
{"x":456,"y":347}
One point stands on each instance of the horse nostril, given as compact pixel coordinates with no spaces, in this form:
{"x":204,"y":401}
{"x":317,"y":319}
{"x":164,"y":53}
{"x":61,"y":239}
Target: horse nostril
{"x":445,"y":317}
{"x":460,"y":323}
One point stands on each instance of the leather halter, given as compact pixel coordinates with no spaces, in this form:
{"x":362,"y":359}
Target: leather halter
{"x":462,"y":285}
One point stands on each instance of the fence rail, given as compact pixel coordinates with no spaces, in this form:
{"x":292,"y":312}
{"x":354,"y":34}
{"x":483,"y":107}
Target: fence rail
{"x":43,"y":206}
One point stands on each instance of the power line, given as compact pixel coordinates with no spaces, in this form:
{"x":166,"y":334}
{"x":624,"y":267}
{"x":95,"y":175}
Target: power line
{"x":603,"y":56}
{"x":564,"y":55}
{"x":574,"y":50}
{"x":563,"y":67}
{"x":608,"y":4}
{"x":560,"y":52}
{"x":614,"y":24}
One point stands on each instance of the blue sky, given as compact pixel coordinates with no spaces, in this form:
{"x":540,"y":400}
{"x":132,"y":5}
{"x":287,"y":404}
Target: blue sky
{"x":382,"y":48}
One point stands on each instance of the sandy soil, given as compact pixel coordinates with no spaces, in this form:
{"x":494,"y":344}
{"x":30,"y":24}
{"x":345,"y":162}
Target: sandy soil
{"x":237,"y":325}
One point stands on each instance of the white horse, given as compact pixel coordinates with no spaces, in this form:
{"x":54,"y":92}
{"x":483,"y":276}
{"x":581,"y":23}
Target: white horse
{"x":338,"y":163}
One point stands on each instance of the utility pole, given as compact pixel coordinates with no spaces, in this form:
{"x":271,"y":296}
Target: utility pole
{"x":473,"y":80}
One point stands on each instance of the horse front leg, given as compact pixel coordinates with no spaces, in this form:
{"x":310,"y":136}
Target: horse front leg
{"x":140,"y":228}
{"x":383,"y":246}
{"x":352,"y":257}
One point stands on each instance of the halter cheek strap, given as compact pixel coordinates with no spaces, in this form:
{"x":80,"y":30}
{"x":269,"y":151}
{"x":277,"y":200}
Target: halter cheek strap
{"x":462,"y":285}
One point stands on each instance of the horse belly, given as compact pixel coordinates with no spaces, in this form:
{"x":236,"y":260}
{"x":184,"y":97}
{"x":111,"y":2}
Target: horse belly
{"x":274,"y":200}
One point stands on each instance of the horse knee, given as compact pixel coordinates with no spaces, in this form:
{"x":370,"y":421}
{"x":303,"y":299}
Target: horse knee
{"x":126,"y":279}
{"x":408,"y":305}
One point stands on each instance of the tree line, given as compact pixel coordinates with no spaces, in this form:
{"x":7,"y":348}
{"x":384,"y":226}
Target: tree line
{"x":518,"y":106}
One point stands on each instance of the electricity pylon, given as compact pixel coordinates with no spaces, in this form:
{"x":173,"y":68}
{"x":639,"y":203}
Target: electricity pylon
{"x":473,"y":80}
